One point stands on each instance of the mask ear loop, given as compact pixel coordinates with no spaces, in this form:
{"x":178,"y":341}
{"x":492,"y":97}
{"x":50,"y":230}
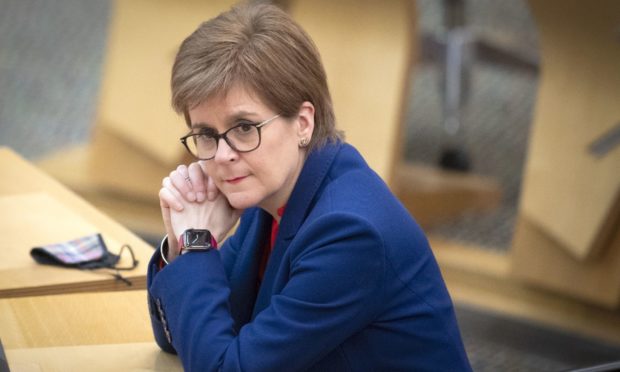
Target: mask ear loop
{"x":116,"y":274}
{"x":134,"y":263}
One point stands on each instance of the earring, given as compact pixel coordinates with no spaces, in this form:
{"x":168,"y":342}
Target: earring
{"x":303,"y":142}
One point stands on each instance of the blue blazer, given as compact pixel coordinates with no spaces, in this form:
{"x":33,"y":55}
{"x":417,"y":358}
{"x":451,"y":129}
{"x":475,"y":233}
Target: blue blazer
{"x":351,"y":285}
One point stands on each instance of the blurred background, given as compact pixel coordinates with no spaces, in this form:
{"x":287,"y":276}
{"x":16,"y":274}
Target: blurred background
{"x":457,"y":96}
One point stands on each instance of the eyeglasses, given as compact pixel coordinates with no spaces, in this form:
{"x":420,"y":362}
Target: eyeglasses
{"x":244,"y":137}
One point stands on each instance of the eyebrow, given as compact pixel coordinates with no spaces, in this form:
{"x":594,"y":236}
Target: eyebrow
{"x":231,"y":120}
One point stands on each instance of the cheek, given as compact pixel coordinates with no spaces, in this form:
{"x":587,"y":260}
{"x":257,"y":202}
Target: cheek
{"x":210,"y":169}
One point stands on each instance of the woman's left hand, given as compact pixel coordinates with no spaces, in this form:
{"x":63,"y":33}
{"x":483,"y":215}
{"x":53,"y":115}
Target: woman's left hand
{"x":217,"y":216}
{"x":192,"y":183}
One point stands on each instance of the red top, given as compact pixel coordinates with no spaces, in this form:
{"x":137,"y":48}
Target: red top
{"x":267,"y":252}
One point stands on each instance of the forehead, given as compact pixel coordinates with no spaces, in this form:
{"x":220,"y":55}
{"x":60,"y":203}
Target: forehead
{"x":222,"y":110}
{"x":233,"y":101}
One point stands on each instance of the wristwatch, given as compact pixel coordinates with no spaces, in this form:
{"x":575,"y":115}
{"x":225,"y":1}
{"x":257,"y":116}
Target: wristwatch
{"x":195,"y":240}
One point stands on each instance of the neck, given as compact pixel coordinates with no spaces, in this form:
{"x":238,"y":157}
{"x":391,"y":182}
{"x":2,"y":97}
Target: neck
{"x":280,"y":199}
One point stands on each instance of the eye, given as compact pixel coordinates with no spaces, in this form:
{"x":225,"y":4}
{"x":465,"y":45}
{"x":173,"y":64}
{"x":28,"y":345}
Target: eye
{"x":207,"y":133}
{"x":245,"y":127}
{"x":244,"y":130}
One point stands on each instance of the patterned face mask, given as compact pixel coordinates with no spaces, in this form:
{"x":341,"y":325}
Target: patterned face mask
{"x":85,"y":253}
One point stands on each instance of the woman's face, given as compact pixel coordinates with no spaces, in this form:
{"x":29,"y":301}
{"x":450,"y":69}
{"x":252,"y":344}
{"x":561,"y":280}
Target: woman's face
{"x":266,"y":176}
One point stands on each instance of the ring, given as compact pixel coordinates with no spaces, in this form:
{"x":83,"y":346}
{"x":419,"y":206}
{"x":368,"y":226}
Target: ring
{"x":188,"y":179}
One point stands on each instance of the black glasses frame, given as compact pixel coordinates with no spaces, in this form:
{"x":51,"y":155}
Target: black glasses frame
{"x":224,"y":136}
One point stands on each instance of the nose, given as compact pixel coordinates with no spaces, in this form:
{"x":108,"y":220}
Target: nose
{"x":224,"y":153}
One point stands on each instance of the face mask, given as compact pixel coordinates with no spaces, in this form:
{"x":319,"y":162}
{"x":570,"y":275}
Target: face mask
{"x":85,"y":253}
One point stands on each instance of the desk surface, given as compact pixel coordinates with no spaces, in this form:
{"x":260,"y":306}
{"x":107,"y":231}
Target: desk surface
{"x":75,"y":319}
{"x":81,"y":332}
{"x":50,"y":211}
{"x":126,"y":357}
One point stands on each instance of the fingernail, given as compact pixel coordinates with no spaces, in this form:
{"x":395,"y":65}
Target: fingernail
{"x":200,"y":196}
{"x":191,"y":196}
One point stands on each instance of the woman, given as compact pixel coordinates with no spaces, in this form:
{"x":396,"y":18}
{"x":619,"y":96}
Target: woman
{"x":326,"y":270}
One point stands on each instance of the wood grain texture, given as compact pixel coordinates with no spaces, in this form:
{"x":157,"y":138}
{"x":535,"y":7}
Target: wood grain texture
{"x":114,"y":357}
{"x":75,"y":319}
{"x":39,"y":209}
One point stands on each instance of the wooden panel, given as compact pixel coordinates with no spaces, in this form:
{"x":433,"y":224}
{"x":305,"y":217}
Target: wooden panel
{"x":118,"y":167}
{"x":367,"y":48}
{"x":482,"y":278}
{"x":116,"y":357}
{"x":434,"y":196}
{"x":133,"y":202}
{"x":135,"y":96}
{"x":75,"y":319}
{"x":542,"y":261}
{"x":573,"y":195}
{"x":19,"y":182}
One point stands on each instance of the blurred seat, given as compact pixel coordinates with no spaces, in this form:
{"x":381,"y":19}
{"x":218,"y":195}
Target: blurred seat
{"x":568,"y":235}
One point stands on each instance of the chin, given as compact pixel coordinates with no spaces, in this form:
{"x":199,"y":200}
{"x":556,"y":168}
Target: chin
{"x":241,"y":201}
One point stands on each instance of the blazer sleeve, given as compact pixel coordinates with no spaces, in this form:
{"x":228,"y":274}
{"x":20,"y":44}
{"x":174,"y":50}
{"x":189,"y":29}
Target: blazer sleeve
{"x":159,"y":323}
{"x":336,"y":278}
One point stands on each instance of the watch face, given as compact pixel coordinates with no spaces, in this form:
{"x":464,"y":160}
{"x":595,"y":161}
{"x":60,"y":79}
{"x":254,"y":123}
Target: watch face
{"x":197,"y":239}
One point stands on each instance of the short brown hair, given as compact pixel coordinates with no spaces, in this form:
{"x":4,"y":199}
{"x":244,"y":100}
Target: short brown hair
{"x":260,"y":47}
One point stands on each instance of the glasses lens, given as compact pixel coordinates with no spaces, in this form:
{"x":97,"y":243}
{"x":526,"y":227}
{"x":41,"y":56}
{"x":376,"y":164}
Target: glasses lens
{"x":244,"y":137}
{"x":202,"y":146}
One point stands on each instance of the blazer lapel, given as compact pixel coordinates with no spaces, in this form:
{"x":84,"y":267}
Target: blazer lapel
{"x":244,"y":274}
{"x":298,"y":206}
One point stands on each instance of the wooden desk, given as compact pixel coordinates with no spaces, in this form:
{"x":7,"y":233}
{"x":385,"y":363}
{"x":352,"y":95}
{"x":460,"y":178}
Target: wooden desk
{"x":125,"y":357}
{"x":75,"y":319}
{"x":65,"y":215}
{"x":78,"y":332}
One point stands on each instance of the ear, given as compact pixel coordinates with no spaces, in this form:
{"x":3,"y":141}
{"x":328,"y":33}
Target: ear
{"x":305,"y":121}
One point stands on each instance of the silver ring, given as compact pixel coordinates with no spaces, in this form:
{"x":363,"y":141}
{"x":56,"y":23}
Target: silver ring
{"x":188,"y":179}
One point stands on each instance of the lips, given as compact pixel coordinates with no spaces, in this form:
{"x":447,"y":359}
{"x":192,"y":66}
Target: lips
{"x":235,"y":180}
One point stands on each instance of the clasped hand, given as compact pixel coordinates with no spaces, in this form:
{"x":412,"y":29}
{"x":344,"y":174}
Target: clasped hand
{"x":189,"y":199}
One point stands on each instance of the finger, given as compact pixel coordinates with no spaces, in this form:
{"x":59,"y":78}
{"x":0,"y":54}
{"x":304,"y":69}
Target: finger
{"x":212,"y":190}
{"x":172,"y":242}
{"x":197,"y":178}
{"x":169,"y":198}
{"x":167,"y":183}
{"x":165,"y":215}
{"x":203,"y":166}
{"x":182,"y":182}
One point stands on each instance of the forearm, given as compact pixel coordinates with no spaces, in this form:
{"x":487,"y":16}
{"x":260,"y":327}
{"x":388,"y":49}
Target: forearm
{"x":162,"y":336}
{"x":177,"y":293}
